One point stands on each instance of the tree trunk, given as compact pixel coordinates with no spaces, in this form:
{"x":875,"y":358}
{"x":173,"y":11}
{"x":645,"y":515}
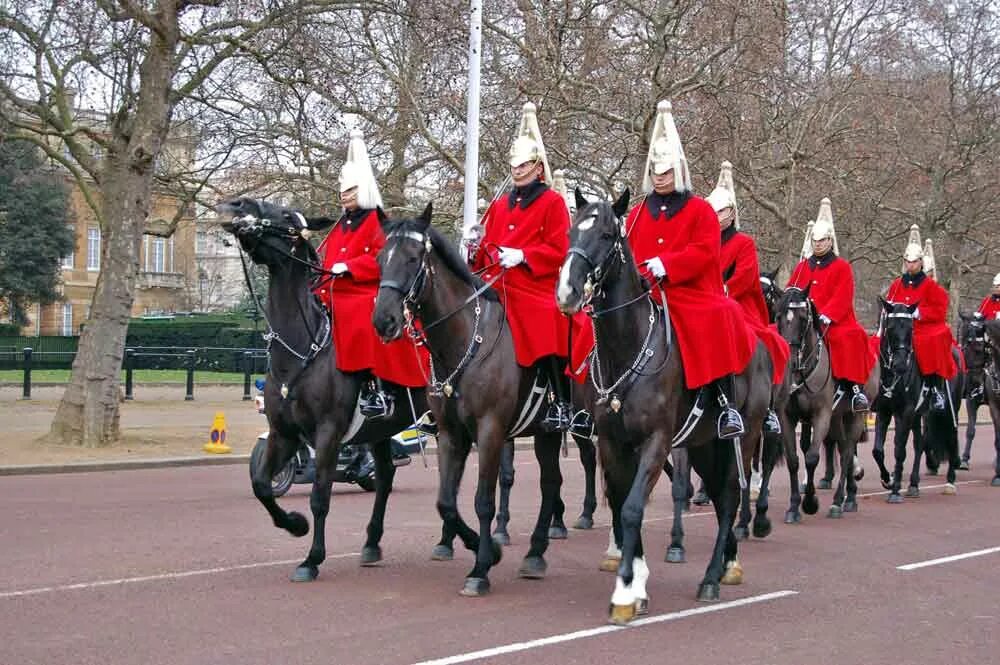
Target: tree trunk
{"x":88,"y":414}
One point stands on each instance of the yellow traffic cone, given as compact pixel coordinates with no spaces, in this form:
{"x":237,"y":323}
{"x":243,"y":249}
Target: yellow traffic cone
{"x":217,"y":437}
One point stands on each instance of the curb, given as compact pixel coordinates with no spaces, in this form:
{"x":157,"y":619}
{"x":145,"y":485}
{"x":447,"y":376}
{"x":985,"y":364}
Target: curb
{"x":156,"y":463}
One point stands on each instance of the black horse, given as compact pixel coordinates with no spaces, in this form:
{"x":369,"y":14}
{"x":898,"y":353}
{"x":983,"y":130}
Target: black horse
{"x":983,"y":379}
{"x":643,"y":407}
{"x":813,"y":399}
{"x":899,"y":398}
{"x":305,"y":395}
{"x":478,"y":391}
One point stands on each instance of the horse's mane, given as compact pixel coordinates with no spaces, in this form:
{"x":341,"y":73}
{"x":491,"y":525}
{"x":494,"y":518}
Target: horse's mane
{"x":446,"y":251}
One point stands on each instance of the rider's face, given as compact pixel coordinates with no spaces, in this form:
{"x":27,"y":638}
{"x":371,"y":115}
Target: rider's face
{"x":996,"y":289}
{"x":726,"y":218}
{"x":664,"y":182}
{"x":913,"y":267}
{"x":821,"y":247}
{"x":526,"y":173}
{"x":349,"y":199}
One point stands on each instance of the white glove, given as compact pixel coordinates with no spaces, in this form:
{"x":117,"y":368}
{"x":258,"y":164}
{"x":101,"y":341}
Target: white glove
{"x":916,"y":313}
{"x":825,"y":320}
{"x":510,"y":257}
{"x":656,"y":267}
{"x":339,"y":268}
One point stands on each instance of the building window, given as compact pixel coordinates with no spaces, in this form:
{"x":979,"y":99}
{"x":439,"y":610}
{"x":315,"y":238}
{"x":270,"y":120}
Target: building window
{"x":170,"y":256}
{"x":67,"y":261}
{"x":157,"y":259}
{"x":67,"y":319}
{"x":93,"y":249}
{"x":201,"y":242}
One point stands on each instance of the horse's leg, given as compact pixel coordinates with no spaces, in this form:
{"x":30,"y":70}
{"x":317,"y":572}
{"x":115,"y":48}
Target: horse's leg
{"x":882,"y":418}
{"x":500,"y":534}
{"x":820,"y":430}
{"x":451,"y":466}
{"x":971,"y":408}
{"x":826,"y":482}
{"x":618,"y":475}
{"x":679,"y":493}
{"x":490,"y":444}
{"x":742,"y":531}
{"x":385,"y":472}
{"x":279,"y":450}
{"x":903,"y":424}
{"x":846,"y":450}
{"x":588,"y":458}
{"x":630,"y":599}
{"x":547,"y":448}
{"x":792,"y":516}
{"x":770,"y":455}
{"x":920,"y":437}
{"x":558,"y":531}
{"x":444,"y":550}
{"x":805,"y":440}
{"x":994,"y":403}
{"x":327,"y":449}
{"x":723,"y":487}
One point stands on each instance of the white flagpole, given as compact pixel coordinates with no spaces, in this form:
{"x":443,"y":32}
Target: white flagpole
{"x":470,"y":216}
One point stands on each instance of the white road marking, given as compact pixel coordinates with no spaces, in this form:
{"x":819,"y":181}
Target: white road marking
{"x":156,"y":578}
{"x":924,"y":487}
{"x":948,"y":559}
{"x":603,"y":630}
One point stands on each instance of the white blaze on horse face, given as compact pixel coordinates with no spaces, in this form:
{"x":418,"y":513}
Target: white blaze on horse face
{"x":388,"y":257}
{"x":588,"y":223}
{"x":565,"y":290}
{"x":790,"y":316}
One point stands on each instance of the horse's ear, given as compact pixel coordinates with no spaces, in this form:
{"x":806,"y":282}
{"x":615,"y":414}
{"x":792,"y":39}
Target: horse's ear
{"x":425,"y":217}
{"x":621,"y":205}
{"x":805,"y":292}
{"x":964,"y":316}
{"x":885,"y":304}
{"x":581,"y":200}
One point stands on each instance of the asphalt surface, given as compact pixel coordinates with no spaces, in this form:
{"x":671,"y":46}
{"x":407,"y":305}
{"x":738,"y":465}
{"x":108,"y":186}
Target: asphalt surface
{"x":182,"y":566}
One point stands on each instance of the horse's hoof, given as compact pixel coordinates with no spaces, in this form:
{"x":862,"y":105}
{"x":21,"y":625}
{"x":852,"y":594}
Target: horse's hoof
{"x":963,"y":465}
{"x":296,"y":524}
{"x":859,"y":474}
{"x":620,"y":615}
{"x":442,"y":553}
{"x":501,"y":537}
{"x":741,"y":533}
{"x":557,"y":532}
{"x":793,"y":517}
{"x":641,"y":607}
{"x":886,"y":482}
{"x":305,"y":573}
{"x":850,"y":506}
{"x":734,"y":573}
{"x":810,"y":504}
{"x":835,"y":512}
{"x":912,"y":492}
{"x":824,"y":484}
{"x":700,"y":498}
{"x":995,"y":482}
{"x":675,"y":554}
{"x":610,"y":564}
{"x":895,"y":497}
{"x":532,"y":568}
{"x":708,"y":592}
{"x":370,"y":556}
{"x":584,"y":522}
{"x":475,"y":587}
{"x":949,"y":490}
{"x":761,"y":528}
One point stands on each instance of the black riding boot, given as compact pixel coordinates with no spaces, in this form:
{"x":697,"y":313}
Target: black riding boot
{"x":937,"y":394}
{"x":859,"y":402}
{"x":730,"y":424}
{"x":560,"y":412}
{"x":375,"y":402}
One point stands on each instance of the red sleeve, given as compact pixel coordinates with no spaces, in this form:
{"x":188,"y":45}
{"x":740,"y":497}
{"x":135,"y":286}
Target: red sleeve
{"x":840,"y":300}
{"x":746,"y":275}
{"x":893,"y":288}
{"x":363,"y":267}
{"x":800,"y":275}
{"x":933,"y":303}
{"x":546,"y":256}
{"x":702,"y":250}
{"x":984,"y":306}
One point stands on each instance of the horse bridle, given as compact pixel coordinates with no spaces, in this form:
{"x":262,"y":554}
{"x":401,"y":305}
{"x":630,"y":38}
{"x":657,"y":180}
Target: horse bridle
{"x":802,"y":362}
{"x":887,"y":390}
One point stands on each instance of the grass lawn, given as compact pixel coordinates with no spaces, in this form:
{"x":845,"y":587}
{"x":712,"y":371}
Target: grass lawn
{"x":138,"y":376}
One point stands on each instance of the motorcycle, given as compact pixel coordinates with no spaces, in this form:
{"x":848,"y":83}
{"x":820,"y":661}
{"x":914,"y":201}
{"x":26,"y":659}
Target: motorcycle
{"x":355,"y":462}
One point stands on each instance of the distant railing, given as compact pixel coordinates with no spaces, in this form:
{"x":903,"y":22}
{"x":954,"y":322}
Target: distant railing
{"x":251,"y":361}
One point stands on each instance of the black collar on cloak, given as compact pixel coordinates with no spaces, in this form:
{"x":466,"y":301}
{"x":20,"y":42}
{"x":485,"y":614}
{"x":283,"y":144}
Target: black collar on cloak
{"x":525,"y":196}
{"x":995,"y":297}
{"x":822,"y":261}
{"x":728,"y":233}
{"x":913,"y":281}
{"x":351,"y":219}
{"x":667,"y":205}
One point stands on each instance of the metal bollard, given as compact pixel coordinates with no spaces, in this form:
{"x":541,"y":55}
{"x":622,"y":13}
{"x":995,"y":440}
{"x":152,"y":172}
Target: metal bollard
{"x":189,"y":396}
{"x":129,"y":362}
{"x":26,"y":388}
{"x":247,"y":370}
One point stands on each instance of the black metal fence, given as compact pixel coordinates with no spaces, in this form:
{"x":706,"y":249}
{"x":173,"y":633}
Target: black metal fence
{"x":247,"y":361}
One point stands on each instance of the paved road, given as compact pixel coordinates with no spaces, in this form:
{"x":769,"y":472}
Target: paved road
{"x":181,"y":566}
